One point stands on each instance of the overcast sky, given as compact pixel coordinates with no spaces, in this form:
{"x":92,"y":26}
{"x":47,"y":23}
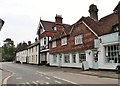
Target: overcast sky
{"x":22,"y":16}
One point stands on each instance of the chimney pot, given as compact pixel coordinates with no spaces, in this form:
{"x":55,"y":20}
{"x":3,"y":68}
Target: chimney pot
{"x":29,"y":42}
{"x":93,"y":11}
{"x":58,"y":19}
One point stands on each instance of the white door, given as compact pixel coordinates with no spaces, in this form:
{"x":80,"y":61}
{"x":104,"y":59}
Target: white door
{"x":60,"y":60}
{"x":95,"y":60}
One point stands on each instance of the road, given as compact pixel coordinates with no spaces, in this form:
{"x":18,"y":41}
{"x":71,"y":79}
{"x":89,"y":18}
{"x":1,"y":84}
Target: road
{"x":33,"y":75}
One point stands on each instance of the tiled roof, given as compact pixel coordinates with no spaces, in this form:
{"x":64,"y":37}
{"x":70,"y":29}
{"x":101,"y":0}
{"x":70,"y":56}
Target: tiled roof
{"x":21,"y":47}
{"x":107,"y":23}
{"x":48,"y":25}
{"x":100,"y":27}
{"x":34,"y":44}
{"x":104,"y":25}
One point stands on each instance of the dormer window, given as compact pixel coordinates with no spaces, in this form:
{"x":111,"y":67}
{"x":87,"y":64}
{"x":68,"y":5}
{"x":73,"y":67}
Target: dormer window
{"x":55,"y":28}
{"x":78,"y":39}
{"x":116,"y":27}
{"x":41,"y":30}
{"x":64,"y":41}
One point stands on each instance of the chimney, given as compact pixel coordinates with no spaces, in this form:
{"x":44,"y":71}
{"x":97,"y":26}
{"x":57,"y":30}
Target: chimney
{"x":36,"y":39}
{"x":29,"y":42}
{"x":20,"y":44}
{"x":93,"y":11}
{"x":24,"y":43}
{"x":58,"y":19}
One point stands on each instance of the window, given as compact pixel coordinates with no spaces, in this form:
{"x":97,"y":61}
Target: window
{"x":54,"y":58}
{"x":116,"y":27}
{"x":45,"y":41}
{"x":82,"y":57}
{"x":36,"y":48}
{"x":32,"y":49}
{"x":53,"y":44}
{"x":64,"y":41}
{"x":74,"y":58}
{"x":66,"y":58}
{"x":36,"y":58}
{"x":55,"y":28}
{"x":112,"y":54}
{"x":78,"y":40}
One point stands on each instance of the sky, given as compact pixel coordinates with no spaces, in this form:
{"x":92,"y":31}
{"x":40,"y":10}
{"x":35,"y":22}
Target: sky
{"x":22,"y":16}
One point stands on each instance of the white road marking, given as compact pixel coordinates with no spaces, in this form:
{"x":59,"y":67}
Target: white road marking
{"x":58,"y":82}
{"x":47,"y":82}
{"x":34,"y":82}
{"x":58,"y":78}
{"x":41,"y":72}
{"x":37,"y":81}
{"x":40,"y":81}
{"x":28,"y":83}
{"x":65,"y":80}
{"x":19,"y":78}
{"x":47,"y":77}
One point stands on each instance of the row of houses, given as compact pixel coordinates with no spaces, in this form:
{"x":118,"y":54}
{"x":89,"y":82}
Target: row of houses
{"x":89,"y":42}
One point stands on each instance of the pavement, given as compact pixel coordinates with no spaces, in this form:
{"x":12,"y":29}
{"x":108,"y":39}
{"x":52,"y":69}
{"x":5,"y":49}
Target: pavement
{"x":91,"y":72}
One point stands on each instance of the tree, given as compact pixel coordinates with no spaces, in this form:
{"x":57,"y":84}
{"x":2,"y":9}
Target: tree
{"x":8,"y":50}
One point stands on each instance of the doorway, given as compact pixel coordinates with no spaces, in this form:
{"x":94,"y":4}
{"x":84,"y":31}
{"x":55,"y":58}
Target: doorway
{"x":95,"y":59}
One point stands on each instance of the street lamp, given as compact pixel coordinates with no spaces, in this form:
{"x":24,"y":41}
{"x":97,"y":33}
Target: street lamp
{"x":1,"y":23}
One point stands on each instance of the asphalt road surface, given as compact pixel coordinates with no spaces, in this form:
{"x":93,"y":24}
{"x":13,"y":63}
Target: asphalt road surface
{"x":28,"y":75}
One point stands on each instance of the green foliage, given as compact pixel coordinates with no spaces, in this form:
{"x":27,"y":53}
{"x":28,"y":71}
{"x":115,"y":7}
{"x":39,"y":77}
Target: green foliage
{"x":8,"y":52}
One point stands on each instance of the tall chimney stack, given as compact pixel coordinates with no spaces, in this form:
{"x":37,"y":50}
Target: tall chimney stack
{"x":29,"y":42}
{"x":58,"y":19}
{"x":93,"y":11}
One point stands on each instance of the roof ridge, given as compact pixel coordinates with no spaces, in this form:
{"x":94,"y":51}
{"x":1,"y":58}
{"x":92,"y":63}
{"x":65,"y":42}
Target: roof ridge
{"x":107,"y":16}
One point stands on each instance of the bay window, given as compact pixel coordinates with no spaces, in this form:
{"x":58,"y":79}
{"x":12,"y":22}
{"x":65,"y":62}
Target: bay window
{"x":112,"y":54}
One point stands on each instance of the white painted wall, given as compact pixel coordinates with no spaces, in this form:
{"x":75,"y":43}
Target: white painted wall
{"x":89,"y":58}
{"x":63,"y":64}
{"x":32,"y":59}
{"x":108,"y":39}
{"x":21,"y":56}
{"x":17,"y":56}
{"x":101,"y":60}
{"x":48,"y":58}
{"x":42,"y":41}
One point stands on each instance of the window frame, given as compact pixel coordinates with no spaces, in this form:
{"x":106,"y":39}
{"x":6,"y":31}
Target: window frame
{"x":78,"y":39}
{"x":54,"y":58}
{"x":66,"y":59}
{"x":112,"y":53}
{"x":82,"y":57}
{"x":74,"y":58}
{"x":64,"y":41}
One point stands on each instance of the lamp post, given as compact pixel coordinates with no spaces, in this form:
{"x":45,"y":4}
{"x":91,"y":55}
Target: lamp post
{"x":1,"y":23}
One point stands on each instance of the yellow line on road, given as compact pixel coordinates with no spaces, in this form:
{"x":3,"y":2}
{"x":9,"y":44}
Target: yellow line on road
{"x":4,"y":81}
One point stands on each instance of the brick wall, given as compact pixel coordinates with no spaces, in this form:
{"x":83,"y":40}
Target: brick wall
{"x":79,"y":29}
